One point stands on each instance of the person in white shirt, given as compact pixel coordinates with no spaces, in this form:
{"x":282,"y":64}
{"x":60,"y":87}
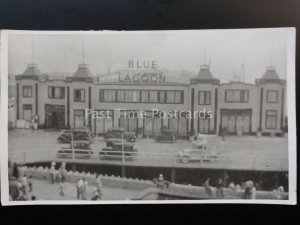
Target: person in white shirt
{"x":79,"y":188}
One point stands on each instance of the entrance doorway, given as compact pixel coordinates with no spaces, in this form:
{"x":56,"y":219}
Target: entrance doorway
{"x":234,"y":120}
{"x":55,"y":116}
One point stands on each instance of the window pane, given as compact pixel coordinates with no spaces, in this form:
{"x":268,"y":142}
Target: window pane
{"x":145,"y":96}
{"x":207,"y":98}
{"x":153,"y":96}
{"x":201,"y":97}
{"x":120,"y":96}
{"x":161,"y":96}
{"x":135,"y":96}
{"x":170,"y":96}
{"x":271,"y":96}
{"x":78,"y":112}
{"x":177,"y":97}
{"x":128,"y":96}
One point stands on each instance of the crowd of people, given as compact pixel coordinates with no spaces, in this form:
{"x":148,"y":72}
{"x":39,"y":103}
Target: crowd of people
{"x":248,"y":188}
{"x":82,"y":185}
{"x":20,"y":185}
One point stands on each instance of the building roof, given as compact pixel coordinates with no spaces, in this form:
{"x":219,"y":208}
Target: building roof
{"x":83,"y":71}
{"x":205,"y":73}
{"x":32,"y":69}
{"x":270,"y":74}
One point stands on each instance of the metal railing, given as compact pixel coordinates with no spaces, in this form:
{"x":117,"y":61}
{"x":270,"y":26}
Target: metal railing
{"x":220,"y":161}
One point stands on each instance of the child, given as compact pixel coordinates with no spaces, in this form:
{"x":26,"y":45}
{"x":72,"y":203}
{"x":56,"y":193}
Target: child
{"x":61,"y":188}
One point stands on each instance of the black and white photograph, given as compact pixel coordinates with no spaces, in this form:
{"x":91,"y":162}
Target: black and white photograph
{"x":129,"y":117}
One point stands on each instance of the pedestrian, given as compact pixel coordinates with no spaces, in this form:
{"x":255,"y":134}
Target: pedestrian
{"x":248,"y":189}
{"x":15,"y":171}
{"x":30,"y":185}
{"x":35,"y":121}
{"x":24,"y":183}
{"x":161,"y":181}
{"x":207,"y":186}
{"x":62,"y":171}
{"x":219,"y":186}
{"x":231,"y":186}
{"x":99,"y":185}
{"x":22,"y":196}
{"x":61,"y":188}
{"x":13,"y":189}
{"x":84,"y":189}
{"x":253,"y":191}
{"x":53,"y":172}
{"x":32,"y":125}
{"x":95,"y":193}
{"x":79,"y":188}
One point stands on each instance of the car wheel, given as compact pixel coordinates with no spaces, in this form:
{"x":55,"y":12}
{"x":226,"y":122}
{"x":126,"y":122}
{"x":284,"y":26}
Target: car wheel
{"x":60,"y":140}
{"x":185,"y":159}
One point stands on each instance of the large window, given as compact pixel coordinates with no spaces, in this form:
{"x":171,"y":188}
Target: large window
{"x":204,"y":98}
{"x":79,"y":95}
{"x":27,"y":91}
{"x":141,"y":96}
{"x":236,"y":95}
{"x":272,"y":96}
{"x":56,"y":92}
{"x":271,"y":119}
{"x":108,"y":95}
{"x":174,"y":97}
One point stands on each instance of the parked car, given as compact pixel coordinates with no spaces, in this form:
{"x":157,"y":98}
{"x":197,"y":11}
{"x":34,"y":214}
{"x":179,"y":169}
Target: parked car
{"x":83,"y":134}
{"x":166,"y":135}
{"x":117,"y":132}
{"x":116,"y":151}
{"x":197,"y":153}
{"x":82,"y":150}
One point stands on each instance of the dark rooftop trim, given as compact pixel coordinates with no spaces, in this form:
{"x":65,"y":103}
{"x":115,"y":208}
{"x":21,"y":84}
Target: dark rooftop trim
{"x":204,"y":81}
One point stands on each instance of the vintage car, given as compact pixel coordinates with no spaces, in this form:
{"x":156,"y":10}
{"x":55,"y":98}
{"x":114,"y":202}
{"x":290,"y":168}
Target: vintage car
{"x":82,"y":150}
{"x":166,"y":135}
{"x":198,"y":152}
{"x":79,"y":134}
{"x":116,"y":151}
{"x":118,"y":132}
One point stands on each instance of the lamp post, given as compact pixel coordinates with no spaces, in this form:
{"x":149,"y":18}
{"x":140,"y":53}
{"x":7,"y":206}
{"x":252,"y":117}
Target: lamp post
{"x":72,"y":146}
{"x":123,"y":160}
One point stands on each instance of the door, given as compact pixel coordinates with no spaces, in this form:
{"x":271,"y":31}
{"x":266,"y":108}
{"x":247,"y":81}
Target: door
{"x":183,"y":127}
{"x":27,"y":112}
{"x":132,"y":124}
{"x":239,"y":123}
{"x":173,"y":124}
{"x":157,"y":123}
{"x":55,"y":116}
{"x":204,"y":126}
{"x":246,"y":123}
{"x":148,"y":126}
{"x":231,"y":123}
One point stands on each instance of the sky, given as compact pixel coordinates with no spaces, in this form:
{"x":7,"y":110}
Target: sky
{"x":224,"y":50}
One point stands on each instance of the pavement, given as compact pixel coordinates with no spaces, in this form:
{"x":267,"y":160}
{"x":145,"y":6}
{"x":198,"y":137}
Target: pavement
{"x":246,"y":152}
{"x":44,"y":190}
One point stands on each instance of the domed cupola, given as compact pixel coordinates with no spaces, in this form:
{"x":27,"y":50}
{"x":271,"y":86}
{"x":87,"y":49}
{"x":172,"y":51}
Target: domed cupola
{"x":204,"y":76}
